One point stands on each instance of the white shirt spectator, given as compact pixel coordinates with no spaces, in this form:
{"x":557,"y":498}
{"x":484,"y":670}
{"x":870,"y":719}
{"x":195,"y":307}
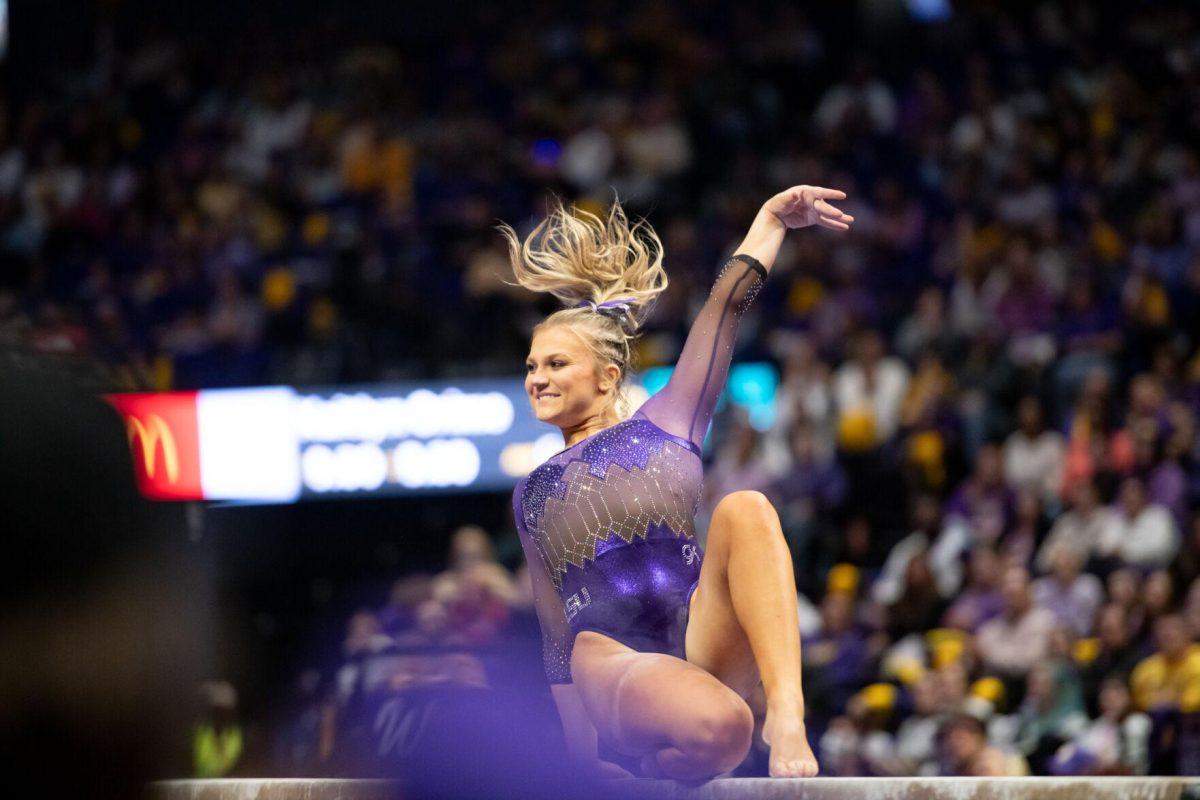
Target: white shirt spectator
{"x":1082,"y":532}
{"x":588,"y":158}
{"x":889,"y":586}
{"x":1106,"y":744}
{"x":852,"y":390}
{"x":873,"y":98}
{"x":1012,"y":647}
{"x":916,"y":744}
{"x":1149,"y":539}
{"x":974,"y":131}
{"x":659,"y":148}
{"x":1034,"y":463}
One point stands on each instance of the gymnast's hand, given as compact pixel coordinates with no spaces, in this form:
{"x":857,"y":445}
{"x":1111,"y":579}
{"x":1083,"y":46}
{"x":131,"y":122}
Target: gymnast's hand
{"x":801,"y":206}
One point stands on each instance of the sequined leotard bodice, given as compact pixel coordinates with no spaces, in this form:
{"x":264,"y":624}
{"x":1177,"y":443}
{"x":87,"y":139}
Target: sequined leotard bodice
{"x":607,"y":525}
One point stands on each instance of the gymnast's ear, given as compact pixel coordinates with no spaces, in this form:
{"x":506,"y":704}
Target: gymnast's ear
{"x":610,"y":376}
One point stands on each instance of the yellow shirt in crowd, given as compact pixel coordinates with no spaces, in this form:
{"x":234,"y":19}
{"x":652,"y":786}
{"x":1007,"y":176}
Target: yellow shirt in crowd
{"x":1158,"y":683}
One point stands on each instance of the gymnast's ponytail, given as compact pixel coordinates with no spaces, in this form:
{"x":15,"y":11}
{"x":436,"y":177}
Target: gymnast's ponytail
{"x":607,"y":272}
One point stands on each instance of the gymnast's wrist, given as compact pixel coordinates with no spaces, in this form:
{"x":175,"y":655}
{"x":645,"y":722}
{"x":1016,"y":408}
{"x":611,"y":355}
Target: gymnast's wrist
{"x":768,"y":214}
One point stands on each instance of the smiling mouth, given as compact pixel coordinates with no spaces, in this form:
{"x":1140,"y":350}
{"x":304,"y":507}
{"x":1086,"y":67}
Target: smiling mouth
{"x":544,"y":396}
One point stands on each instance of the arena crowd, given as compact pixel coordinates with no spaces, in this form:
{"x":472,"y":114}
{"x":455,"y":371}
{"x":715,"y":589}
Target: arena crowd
{"x":984,"y":452}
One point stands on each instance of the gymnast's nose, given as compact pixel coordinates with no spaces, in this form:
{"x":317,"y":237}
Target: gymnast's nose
{"x":537,"y":382}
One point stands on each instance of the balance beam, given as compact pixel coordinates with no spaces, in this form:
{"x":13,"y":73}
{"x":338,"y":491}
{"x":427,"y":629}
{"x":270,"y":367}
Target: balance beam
{"x":1032,"y":788}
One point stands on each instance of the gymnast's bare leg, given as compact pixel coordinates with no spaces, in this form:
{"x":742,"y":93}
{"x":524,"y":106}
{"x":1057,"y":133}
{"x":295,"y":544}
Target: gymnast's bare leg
{"x":691,"y":717}
{"x":685,"y":723}
{"x":744,"y":625}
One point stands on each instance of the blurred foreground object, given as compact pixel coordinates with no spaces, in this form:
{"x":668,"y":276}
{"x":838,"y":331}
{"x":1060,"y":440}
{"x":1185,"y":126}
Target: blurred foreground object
{"x":103,"y":623}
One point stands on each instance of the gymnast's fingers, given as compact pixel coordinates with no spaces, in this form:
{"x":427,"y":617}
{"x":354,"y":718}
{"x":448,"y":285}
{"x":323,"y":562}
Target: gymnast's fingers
{"x":825,"y":209}
{"x":828,"y":194}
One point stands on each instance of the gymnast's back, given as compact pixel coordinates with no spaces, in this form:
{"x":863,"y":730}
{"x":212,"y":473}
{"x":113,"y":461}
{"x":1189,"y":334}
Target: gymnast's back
{"x":608,"y":524}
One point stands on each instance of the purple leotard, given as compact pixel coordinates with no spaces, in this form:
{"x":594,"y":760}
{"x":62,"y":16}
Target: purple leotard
{"x":608,"y":525}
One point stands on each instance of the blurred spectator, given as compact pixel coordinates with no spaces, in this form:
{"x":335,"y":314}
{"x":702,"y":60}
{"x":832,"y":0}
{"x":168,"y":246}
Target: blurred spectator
{"x":470,"y":545}
{"x":1169,"y":679}
{"x":858,"y":742}
{"x":364,"y":637}
{"x":1115,"y":743}
{"x":964,"y":751}
{"x":1088,"y":334}
{"x":1093,"y":451}
{"x":926,"y":328}
{"x":1117,"y":649}
{"x":1071,"y":595}
{"x":1083,"y":529}
{"x":1158,"y":596}
{"x":929,"y":423}
{"x":1020,"y":542}
{"x":1166,"y":685}
{"x":916,"y":737}
{"x":804,"y":386}
{"x":1020,"y":637}
{"x":953,"y":687}
{"x":861,"y":103}
{"x":1145,"y":535}
{"x":407,"y":594}
{"x":897,"y":577}
{"x":836,"y":659}
{"x":980,"y":599}
{"x":1025,"y":307}
{"x":871,"y":385}
{"x":1124,"y":587}
{"x":807,"y":495}
{"x":983,"y":504}
{"x":1033,"y":455}
{"x":920,"y":604}
{"x":740,"y":465}
{"x":1186,"y":567}
{"x":1051,"y":714}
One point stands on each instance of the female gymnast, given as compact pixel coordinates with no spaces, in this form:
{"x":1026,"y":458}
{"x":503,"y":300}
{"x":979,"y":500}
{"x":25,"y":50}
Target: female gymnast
{"x":651,"y":645}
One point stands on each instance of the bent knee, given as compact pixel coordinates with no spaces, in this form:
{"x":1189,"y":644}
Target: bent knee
{"x":721,"y":734}
{"x":745,"y":505}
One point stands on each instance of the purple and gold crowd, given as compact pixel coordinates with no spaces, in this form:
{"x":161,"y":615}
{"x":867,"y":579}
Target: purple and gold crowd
{"x":984,"y":451}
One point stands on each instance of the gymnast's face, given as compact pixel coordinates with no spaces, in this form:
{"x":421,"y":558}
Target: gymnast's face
{"x":564,"y":385}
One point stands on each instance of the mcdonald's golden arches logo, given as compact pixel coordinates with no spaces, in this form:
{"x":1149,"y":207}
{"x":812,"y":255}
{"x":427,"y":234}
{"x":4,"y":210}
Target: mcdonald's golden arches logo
{"x":152,"y":433}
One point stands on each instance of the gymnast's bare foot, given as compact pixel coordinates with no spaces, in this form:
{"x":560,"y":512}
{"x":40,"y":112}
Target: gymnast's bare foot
{"x":791,"y":756}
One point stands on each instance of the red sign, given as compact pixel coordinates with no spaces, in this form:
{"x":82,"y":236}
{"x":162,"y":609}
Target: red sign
{"x":165,"y":439}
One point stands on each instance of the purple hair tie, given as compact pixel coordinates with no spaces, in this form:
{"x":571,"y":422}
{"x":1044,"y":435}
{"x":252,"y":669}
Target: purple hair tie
{"x":620,"y":304}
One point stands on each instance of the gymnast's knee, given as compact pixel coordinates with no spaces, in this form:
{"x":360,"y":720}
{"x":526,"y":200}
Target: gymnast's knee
{"x":745,"y":505}
{"x":720,"y":735}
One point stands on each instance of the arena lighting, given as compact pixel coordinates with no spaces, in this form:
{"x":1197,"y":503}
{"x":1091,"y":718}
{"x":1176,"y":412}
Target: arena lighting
{"x":279,"y":444}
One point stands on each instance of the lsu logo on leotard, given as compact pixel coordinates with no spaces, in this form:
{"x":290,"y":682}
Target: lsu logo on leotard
{"x":577,"y":602}
{"x":690,"y":553}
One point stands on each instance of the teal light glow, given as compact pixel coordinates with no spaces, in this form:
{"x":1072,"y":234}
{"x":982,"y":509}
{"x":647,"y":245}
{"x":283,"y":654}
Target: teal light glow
{"x":751,"y":386}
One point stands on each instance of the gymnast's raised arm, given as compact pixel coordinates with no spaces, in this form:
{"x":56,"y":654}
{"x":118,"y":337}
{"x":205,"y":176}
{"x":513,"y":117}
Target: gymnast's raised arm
{"x":685,"y":405}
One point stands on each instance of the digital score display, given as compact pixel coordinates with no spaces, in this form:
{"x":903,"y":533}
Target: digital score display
{"x":280,"y":444}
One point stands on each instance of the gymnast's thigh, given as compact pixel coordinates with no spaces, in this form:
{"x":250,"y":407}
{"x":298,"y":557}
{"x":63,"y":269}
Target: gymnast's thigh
{"x":643,"y":702}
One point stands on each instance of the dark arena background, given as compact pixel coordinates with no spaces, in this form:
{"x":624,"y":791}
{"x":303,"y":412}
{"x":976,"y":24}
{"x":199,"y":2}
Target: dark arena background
{"x":262,"y":410}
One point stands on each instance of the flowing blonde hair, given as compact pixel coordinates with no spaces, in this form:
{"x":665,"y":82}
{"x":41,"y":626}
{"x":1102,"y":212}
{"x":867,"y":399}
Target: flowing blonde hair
{"x":585,"y":261}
